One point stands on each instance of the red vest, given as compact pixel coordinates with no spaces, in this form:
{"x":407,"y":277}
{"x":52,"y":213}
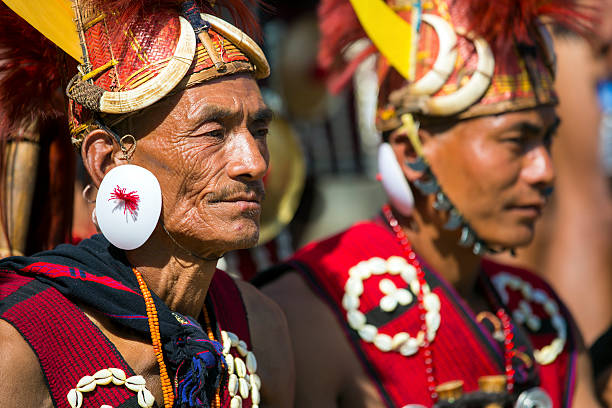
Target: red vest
{"x":463,"y":349}
{"x":69,"y":346}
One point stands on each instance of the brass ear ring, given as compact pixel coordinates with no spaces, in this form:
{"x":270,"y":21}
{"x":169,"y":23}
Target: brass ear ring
{"x":86,"y":194}
{"x":128,"y":152}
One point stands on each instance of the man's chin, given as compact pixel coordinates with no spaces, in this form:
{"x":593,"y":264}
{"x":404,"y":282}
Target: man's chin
{"x":513,"y":238}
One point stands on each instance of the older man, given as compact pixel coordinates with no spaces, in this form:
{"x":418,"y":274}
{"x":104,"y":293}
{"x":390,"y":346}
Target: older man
{"x":139,"y":316}
{"x":401,"y":311}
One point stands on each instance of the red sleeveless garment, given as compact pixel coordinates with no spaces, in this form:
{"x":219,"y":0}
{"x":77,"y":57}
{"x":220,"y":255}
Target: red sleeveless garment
{"x":69,"y":346}
{"x":463,"y":349}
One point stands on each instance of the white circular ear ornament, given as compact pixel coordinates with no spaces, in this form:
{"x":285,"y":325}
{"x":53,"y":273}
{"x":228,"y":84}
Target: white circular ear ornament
{"x":128,"y":206}
{"x":394,"y":181}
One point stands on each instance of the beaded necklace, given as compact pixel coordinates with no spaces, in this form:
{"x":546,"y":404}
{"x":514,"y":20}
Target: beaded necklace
{"x":509,"y":351}
{"x":167,"y":391}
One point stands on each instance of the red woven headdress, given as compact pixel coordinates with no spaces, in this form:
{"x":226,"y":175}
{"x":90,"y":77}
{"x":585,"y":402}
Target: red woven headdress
{"x":502,"y":45}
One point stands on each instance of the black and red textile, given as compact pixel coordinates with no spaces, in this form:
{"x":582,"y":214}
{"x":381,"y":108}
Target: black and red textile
{"x":462,"y":349}
{"x":97,"y":274}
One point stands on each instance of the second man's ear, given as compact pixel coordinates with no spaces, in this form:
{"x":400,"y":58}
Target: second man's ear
{"x":100,"y":152}
{"x":406,"y":153}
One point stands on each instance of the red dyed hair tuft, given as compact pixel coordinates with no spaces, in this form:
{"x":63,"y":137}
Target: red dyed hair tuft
{"x":505,"y":21}
{"x":30,"y":80}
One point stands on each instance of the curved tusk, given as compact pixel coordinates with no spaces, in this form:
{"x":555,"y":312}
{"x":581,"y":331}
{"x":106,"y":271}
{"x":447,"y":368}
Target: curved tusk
{"x":444,"y":66}
{"x":471,"y":92}
{"x":158,"y":87}
{"x":243,"y":42}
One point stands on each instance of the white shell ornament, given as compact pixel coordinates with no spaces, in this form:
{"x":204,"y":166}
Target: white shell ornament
{"x":128,"y":206}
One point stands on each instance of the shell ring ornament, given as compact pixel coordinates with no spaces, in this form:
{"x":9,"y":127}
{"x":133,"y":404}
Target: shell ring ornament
{"x":401,"y":342}
{"x":534,"y":398}
{"x":524,"y":314}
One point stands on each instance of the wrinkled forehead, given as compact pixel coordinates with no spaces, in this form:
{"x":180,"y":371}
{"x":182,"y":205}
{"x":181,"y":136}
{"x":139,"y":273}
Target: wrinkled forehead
{"x":226,"y":98}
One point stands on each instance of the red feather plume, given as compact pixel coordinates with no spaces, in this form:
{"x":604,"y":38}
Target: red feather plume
{"x":339,"y":28}
{"x":502,"y":22}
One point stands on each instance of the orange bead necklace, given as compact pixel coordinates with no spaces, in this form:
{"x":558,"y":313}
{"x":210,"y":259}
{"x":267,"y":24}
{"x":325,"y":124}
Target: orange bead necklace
{"x":167,"y":391}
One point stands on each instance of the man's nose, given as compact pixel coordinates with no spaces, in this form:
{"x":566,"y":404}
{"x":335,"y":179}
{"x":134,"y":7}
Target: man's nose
{"x":538,"y":169}
{"x":249,"y":158}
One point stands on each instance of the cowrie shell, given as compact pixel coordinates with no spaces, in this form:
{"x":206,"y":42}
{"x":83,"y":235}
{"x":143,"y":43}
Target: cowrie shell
{"x":118,"y":376}
{"x":135,"y":383}
{"x":378,"y":265}
{"x":86,"y":384}
{"x":227,"y":343}
{"x":255,"y":395}
{"x":103,"y":377}
{"x":354,"y":287}
{"x":145,"y":398}
{"x":396,"y":264}
{"x":240,"y":367}
{"x":431,"y":301}
{"x":233,"y":339}
{"x":388,"y":303}
{"x":232,"y":385}
{"x":243,"y":386}
{"x":410,"y":347}
{"x":236,"y":402}
{"x":229,"y":360}
{"x":387,"y":286}
{"x":350,"y":302}
{"x":368,"y":332}
{"x":356,"y":319}
{"x":255,"y":381}
{"x":242,"y":348}
{"x":408,"y":273}
{"x":251,"y":362}
{"x":383,"y":342}
{"x":399,"y":339}
{"x":75,"y":398}
{"x":403,"y":297}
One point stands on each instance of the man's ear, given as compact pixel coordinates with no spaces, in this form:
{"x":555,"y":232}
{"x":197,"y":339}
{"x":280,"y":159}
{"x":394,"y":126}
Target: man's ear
{"x":405,"y":152}
{"x":100,"y":152}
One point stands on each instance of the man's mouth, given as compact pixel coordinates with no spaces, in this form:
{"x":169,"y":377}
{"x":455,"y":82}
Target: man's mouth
{"x":531,"y":210}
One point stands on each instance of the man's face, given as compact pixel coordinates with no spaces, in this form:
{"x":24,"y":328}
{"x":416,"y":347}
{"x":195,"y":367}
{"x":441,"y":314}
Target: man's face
{"x":207,"y":147}
{"x":496,"y":170}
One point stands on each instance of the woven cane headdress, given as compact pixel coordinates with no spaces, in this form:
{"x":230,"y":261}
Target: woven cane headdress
{"x":132,"y":54}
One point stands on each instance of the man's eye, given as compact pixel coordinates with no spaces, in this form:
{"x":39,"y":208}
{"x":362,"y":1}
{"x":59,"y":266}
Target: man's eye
{"x":261,"y":133}
{"x":217,"y":134}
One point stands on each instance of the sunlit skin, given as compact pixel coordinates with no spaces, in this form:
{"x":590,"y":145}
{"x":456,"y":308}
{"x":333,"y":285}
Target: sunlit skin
{"x":207,"y":147}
